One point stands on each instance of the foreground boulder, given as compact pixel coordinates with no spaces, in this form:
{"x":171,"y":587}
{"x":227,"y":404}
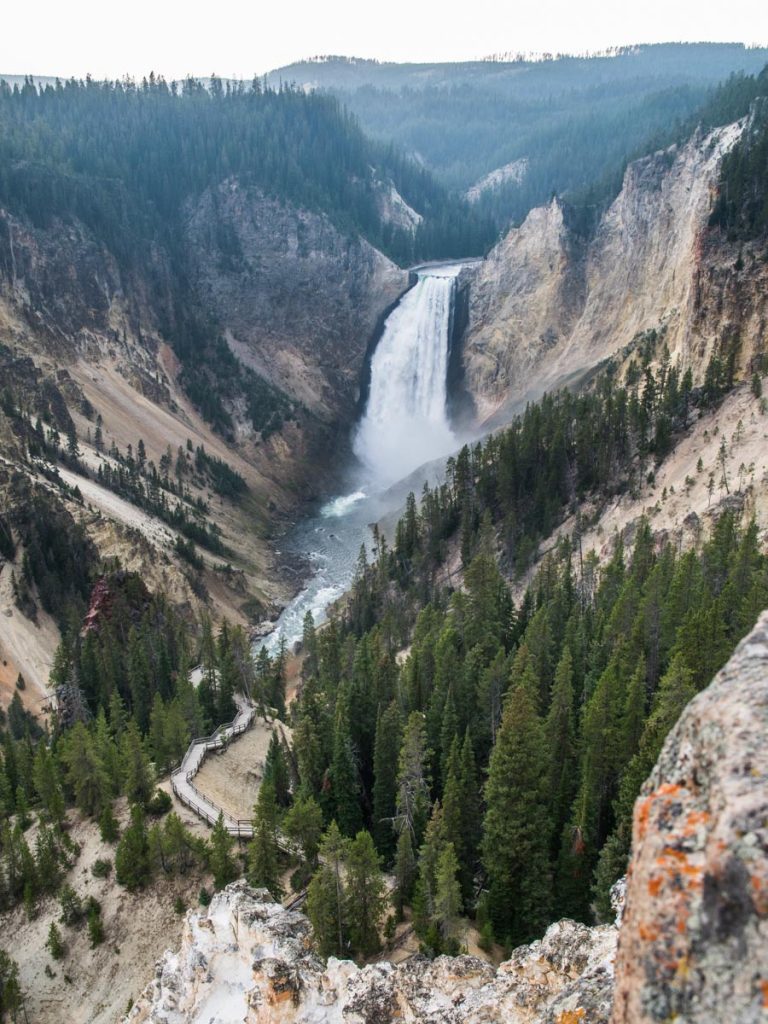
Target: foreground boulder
{"x":694,"y":939}
{"x":692,"y":945}
{"x":247,"y":959}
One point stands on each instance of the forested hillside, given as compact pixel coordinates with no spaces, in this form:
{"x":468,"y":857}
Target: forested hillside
{"x":130,"y":163}
{"x":125,"y":158}
{"x":573,"y":119}
{"x":498,"y":763}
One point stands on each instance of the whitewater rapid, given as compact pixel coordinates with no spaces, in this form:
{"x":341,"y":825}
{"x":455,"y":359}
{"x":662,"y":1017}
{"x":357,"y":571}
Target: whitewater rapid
{"x":405,"y":424}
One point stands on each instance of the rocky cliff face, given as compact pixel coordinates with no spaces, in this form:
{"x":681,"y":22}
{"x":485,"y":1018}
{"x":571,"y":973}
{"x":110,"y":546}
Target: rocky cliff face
{"x":548,"y":304}
{"x":298,"y":301}
{"x":692,"y":943}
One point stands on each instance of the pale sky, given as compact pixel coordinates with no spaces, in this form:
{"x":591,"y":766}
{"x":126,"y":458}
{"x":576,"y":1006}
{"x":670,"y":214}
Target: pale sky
{"x":237,"y":38}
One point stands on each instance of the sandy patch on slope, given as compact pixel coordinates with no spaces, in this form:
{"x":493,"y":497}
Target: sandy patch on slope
{"x":231,"y":778}
{"x":745,"y":429}
{"x":25,"y":646}
{"x":93,"y":986}
{"x":117,"y":508}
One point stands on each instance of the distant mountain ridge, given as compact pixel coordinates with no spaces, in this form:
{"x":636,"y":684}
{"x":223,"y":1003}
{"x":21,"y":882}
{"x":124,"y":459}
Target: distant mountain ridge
{"x":574,"y":119}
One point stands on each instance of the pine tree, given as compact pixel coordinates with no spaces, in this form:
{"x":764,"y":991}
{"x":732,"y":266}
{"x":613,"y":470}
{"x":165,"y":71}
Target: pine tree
{"x":132,"y":866}
{"x":107,"y":752}
{"x":95,"y":926}
{"x":364,"y":899}
{"x":560,"y":733}
{"x":180,"y":847}
{"x":386,"y":750}
{"x":85,"y":772}
{"x":516,"y":828}
{"x":54,"y":943}
{"x":220,"y":857}
{"x":447,"y":907}
{"x":71,"y":906}
{"x":325,"y":896}
{"x":413,"y":801}
{"x":425,"y":891}
{"x":47,"y":784}
{"x":405,"y":870}
{"x":11,"y":998}
{"x":187,"y":697}
{"x":303,"y":824}
{"x":229,"y":677}
{"x":108,"y":826}
{"x":157,"y":728}
{"x":23,"y":818}
{"x":276,"y":772}
{"x":322,"y":910}
{"x":137,"y":773}
{"x":462,"y":811}
{"x":263,"y":850}
{"x":345,"y":786}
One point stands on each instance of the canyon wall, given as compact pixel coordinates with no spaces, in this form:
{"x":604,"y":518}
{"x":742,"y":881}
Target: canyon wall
{"x":551,"y":301}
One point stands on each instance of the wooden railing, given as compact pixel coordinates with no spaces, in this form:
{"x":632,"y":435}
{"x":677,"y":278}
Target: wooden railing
{"x":241,"y":828}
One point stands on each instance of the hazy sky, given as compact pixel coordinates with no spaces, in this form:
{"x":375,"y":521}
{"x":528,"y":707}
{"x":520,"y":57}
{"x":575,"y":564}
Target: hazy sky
{"x":176,"y":37}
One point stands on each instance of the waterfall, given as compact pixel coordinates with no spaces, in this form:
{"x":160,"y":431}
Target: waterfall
{"x":406,"y":421}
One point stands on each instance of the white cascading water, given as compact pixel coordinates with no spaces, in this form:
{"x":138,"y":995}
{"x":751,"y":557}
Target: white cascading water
{"x":406,"y":420}
{"x":405,"y":425}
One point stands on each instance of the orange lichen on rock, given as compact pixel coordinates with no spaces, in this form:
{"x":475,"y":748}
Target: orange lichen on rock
{"x":571,"y":1016}
{"x":643,"y":814}
{"x":648,"y":932}
{"x":669,"y":789}
{"x":696,"y":818}
{"x":654,"y":885}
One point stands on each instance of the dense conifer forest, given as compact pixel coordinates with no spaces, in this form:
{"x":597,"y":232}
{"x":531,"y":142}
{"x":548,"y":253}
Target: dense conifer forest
{"x":484,"y":748}
{"x":124,"y":158}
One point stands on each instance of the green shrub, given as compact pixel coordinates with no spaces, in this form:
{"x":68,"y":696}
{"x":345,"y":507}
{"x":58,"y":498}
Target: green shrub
{"x":101,"y":868}
{"x":160,"y":804}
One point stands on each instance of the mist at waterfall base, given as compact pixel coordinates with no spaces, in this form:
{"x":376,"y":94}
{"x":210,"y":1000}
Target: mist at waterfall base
{"x":405,"y":425}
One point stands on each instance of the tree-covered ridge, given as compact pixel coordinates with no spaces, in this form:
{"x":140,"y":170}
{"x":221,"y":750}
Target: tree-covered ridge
{"x":742,"y":204}
{"x":730,"y":101}
{"x":129,"y":162}
{"x":125,"y":159}
{"x":574,"y":119}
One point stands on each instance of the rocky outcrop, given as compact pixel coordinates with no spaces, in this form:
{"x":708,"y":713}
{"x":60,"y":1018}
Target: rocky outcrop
{"x":510,"y":174}
{"x":549,"y":303}
{"x":248,"y":959}
{"x":694,"y":939}
{"x":298,"y":301}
